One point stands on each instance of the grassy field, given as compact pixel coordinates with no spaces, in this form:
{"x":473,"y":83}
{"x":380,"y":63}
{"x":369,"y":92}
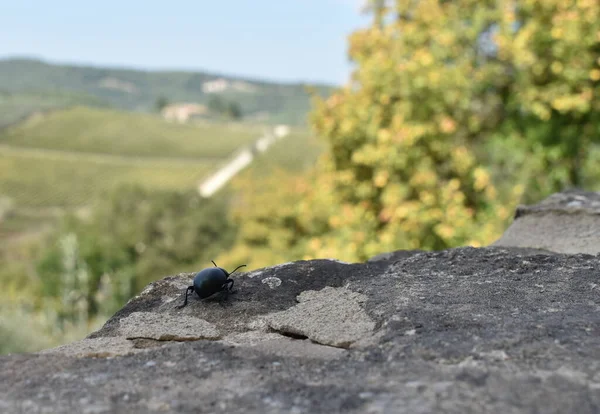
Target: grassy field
{"x":69,"y":157}
{"x":35,"y":182}
{"x":104,"y":131}
{"x":296,"y":152}
{"x":17,"y":105}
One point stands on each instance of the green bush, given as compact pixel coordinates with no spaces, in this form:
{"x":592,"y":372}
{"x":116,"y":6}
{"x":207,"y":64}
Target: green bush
{"x":134,"y":236}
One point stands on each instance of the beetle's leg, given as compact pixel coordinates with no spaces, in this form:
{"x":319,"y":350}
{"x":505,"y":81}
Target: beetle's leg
{"x":226,"y":289}
{"x":189,"y":288}
{"x":230,"y":282}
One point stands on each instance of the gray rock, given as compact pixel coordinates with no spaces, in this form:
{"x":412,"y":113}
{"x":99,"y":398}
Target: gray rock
{"x":394,"y":256}
{"x":567,"y":222}
{"x":331,"y":316}
{"x":489,"y":330}
{"x":101,"y":347}
{"x":166,"y":327}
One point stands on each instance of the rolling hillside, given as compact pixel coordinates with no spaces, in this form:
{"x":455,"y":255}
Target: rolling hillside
{"x":64,"y":159}
{"x":67,"y":157}
{"x":106,"y":131}
{"x":139,"y":90}
{"x":16,"y":106}
{"x":70,"y":135}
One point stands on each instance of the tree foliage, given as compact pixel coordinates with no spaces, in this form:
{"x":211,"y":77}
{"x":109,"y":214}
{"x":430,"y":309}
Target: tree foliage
{"x":455,"y":110}
{"x":133,"y":237}
{"x":221,"y":107}
{"x":161,"y":103}
{"x":552,"y":49}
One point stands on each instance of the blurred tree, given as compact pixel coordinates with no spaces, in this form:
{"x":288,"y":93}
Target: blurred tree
{"x":270,"y":216}
{"x":216,"y":104}
{"x":402,"y":132}
{"x":234,"y":111}
{"x":161,"y":103}
{"x":221,"y":107}
{"x":439,"y":83}
{"x":455,"y":109}
{"x":133,"y":237}
{"x":553,"y":51}
{"x":376,"y":8}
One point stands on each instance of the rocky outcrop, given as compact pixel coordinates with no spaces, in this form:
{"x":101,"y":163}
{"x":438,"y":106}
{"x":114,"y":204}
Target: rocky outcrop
{"x":497,"y":329}
{"x":567,"y":222}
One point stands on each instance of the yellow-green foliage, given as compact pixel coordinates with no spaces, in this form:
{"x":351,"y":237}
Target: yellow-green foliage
{"x":297,"y":152}
{"x":134,"y":236}
{"x":456,"y":109}
{"x":267,"y":218}
{"x":555,"y":58}
{"x":268,"y":208}
{"x":556,"y":53}
{"x":401,"y":134}
{"x":25,"y":329}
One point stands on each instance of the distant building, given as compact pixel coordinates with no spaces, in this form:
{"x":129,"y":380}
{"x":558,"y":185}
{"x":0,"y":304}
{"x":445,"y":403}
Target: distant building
{"x":221,"y":85}
{"x":182,"y":112}
{"x":215,"y":86}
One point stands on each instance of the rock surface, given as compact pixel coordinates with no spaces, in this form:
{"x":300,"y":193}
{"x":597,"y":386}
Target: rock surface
{"x":496,"y":329}
{"x":567,"y":222}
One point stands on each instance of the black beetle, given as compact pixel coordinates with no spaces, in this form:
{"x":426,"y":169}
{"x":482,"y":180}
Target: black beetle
{"x":209,"y":281}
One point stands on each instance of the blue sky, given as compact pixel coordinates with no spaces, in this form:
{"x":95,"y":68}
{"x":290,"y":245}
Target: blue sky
{"x":282,"y":40}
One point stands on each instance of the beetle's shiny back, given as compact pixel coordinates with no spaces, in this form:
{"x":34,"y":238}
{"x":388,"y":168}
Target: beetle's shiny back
{"x":209,"y":281}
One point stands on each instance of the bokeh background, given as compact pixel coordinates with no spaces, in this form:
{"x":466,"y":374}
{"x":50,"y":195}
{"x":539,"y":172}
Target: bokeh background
{"x":410,"y":124}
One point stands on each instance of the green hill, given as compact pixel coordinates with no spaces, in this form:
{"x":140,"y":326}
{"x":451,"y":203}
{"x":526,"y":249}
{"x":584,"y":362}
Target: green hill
{"x":43,"y":182}
{"x":106,"y":131}
{"x":16,"y":106}
{"x":68,"y":157}
{"x":65,"y":158}
{"x":139,"y":90}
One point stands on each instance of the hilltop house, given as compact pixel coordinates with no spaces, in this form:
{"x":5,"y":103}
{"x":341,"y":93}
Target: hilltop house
{"x":182,"y":112}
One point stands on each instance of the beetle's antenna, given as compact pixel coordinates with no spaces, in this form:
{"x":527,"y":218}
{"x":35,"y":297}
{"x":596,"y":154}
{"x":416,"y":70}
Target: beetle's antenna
{"x":237,"y":268}
{"x":186,"y":296}
{"x":214,"y":263}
